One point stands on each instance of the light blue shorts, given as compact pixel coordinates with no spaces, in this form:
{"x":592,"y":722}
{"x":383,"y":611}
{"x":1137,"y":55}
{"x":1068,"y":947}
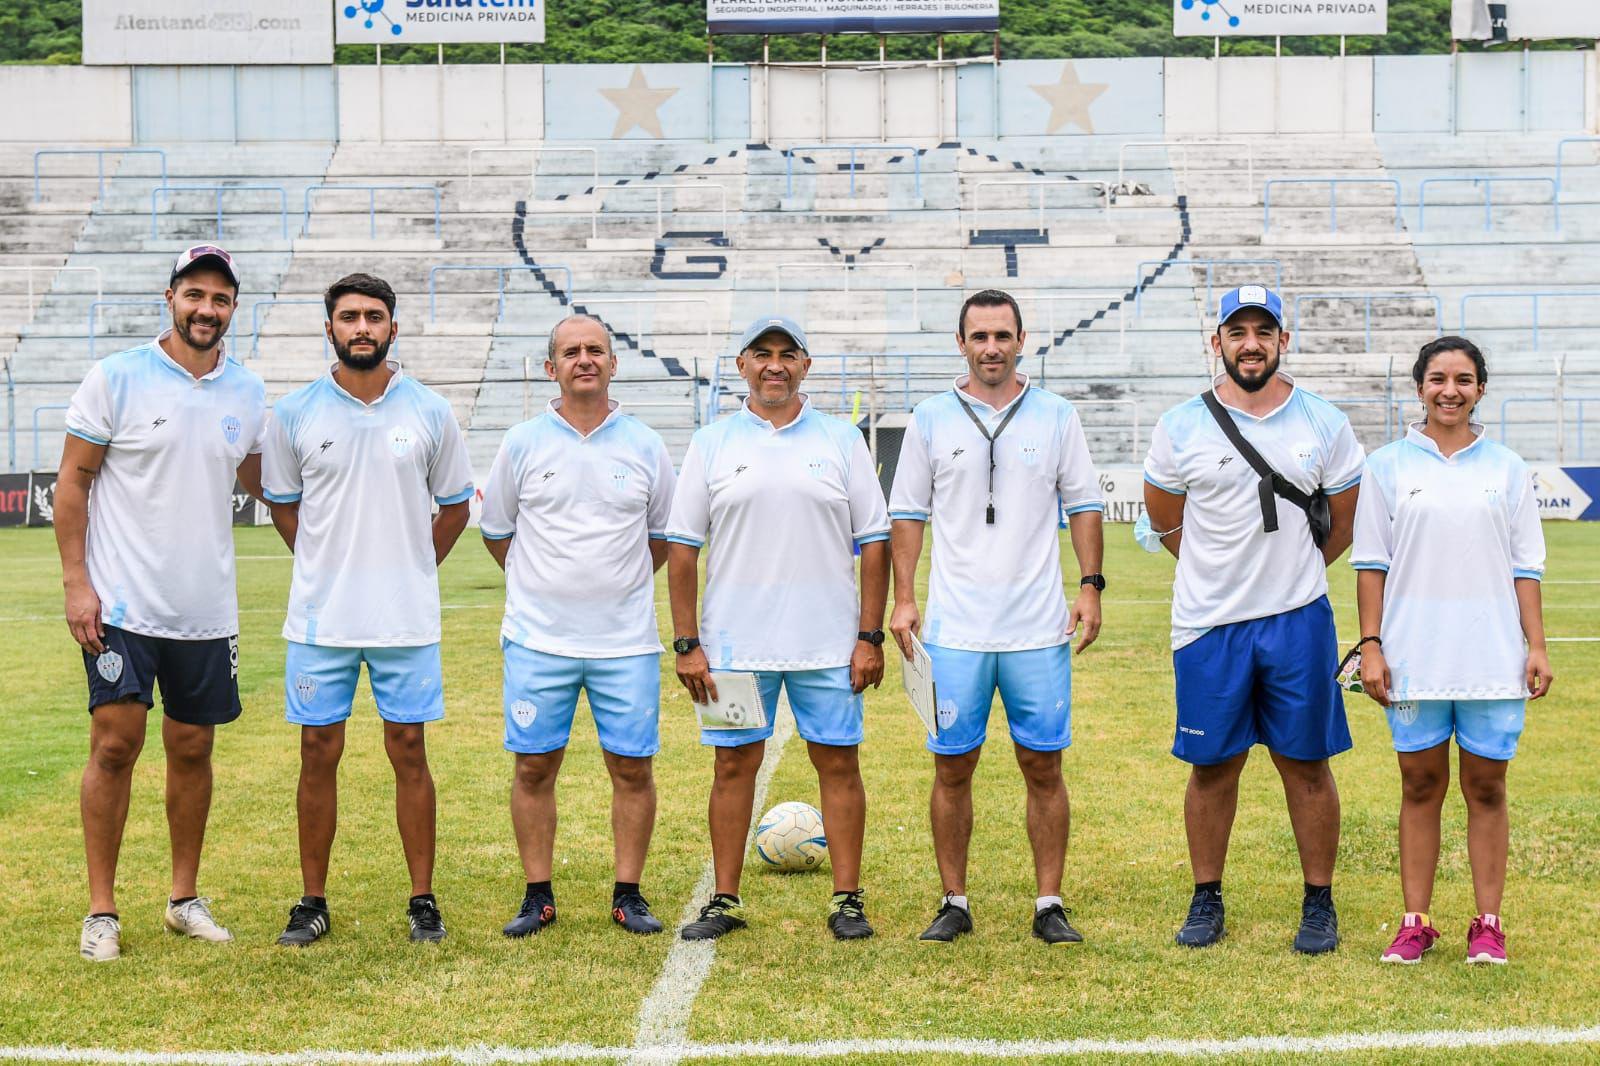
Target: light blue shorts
{"x":541,"y":697}
{"x":1488,"y":729}
{"x":825,"y":710}
{"x":320,"y":683}
{"x":1035,"y":686}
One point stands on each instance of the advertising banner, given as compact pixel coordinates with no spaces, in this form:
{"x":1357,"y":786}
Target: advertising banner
{"x":1524,"y":20}
{"x":197,"y":32}
{"x":14,"y":499}
{"x":440,"y":21}
{"x":852,"y":16}
{"x":1279,"y":18}
{"x":1567,"y":491}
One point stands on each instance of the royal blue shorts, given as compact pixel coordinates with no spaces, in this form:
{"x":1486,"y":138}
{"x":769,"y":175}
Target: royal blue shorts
{"x":1262,"y":681}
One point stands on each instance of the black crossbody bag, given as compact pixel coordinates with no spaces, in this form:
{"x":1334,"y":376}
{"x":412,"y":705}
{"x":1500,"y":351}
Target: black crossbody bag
{"x":1319,"y":518}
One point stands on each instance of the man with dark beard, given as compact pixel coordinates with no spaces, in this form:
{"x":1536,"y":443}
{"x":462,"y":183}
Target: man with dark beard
{"x":353,"y":465}
{"x":156,"y":435}
{"x":1252,"y":631}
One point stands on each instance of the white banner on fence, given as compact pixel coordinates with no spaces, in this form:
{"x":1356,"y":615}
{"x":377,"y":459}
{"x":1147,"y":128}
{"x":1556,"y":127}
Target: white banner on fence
{"x":852,"y":16}
{"x":440,"y":21}
{"x":1279,"y":18}
{"x":1524,"y":20}
{"x":183,"y":32}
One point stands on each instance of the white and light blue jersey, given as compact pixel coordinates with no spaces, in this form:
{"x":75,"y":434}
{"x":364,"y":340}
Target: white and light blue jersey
{"x":995,"y":587}
{"x":580,"y":511}
{"x":780,"y":511}
{"x":1454,"y":533}
{"x":1230,"y":569}
{"x":366,"y":477}
{"x":160,"y":540}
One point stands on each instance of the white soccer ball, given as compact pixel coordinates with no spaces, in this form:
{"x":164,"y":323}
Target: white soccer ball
{"x":789,"y":837}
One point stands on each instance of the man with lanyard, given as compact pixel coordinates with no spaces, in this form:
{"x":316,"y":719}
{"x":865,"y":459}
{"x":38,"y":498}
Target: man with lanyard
{"x":575,"y":512}
{"x":1252,"y":632}
{"x":783,"y":494}
{"x":354,"y":463}
{"x":993,"y":463}
{"x":156,"y":435}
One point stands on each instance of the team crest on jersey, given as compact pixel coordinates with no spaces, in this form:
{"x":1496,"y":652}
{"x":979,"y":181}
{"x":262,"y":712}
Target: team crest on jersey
{"x":524,"y":712}
{"x":817,"y":468}
{"x":110,"y":665}
{"x":400,"y":441}
{"x":305,"y":686}
{"x":619,"y":477}
{"x":230,"y":429}
{"x":1306,"y":455}
{"x":1030,"y":453}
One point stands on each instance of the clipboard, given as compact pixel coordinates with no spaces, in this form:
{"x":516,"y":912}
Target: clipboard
{"x":916,"y":675}
{"x":737,"y":706}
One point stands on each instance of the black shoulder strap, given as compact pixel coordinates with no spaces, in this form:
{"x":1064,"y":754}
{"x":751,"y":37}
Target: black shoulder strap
{"x":1273,"y":484}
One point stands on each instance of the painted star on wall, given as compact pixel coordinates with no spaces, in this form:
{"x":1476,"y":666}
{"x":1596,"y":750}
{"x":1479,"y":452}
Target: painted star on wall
{"x":638,"y":106}
{"x":1069,"y":100}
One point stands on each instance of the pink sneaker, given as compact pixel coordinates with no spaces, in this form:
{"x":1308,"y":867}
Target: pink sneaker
{"x":1486,"y":942}
{"x":1414,"y":938}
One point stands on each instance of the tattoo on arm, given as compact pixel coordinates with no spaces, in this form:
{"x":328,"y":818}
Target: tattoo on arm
{"x":86,"y":470}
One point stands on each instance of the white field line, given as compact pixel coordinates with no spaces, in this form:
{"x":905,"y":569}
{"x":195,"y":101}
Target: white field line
{"x":664,"y":1014}
{"x":482,"y":1055}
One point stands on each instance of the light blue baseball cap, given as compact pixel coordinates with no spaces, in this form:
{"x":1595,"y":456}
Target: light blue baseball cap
{"x":774,"y":324}
{"x":1250,"y":296}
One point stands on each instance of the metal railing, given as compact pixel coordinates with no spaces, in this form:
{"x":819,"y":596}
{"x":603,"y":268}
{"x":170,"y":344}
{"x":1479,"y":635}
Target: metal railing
{"x":100,"y":164}
{"x":372,"y":202}
{"x":96,"y":305}
{"x":977,"y":191}
{"x":1535,"y":297}
{"x":1561,"y":148}
{"x":255,"y":321}
{"x":904,"y":149}
{"x":661,"y":229}
{"x":1367,"y":298}
{"x":601,"y":299}
{"x":500,"y":270}
{"x":536,"y":151}
{"x":37,"y":453}
{"x":11,"y":414}
{"x":850,"y":268}
{"x":1488,"y":184}
{"x":218,"y":190}
{"x":1183,"y":147}
{"x":1050,"y":303}
{"x":1209,"y":264}
{"x":1333,"y":197}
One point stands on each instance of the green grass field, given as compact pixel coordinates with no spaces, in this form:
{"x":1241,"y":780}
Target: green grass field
{"x":582,"y":982}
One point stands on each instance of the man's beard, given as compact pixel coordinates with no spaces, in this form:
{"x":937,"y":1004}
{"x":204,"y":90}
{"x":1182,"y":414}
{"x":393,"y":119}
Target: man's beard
{"x":183,"y":327}
{"x":1251,"y":384}
{"x":362,"y":362}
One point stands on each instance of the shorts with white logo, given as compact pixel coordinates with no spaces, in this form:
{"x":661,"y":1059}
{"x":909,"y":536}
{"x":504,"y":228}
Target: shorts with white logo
{"x":825,"y":710}
{"x":199,"y":679}
{"x":1262,"y":681}
{"x":1488,"y":729}
{"x":541,"y":697}
{"x":1035,"y":685}
{"x":320,"y":683}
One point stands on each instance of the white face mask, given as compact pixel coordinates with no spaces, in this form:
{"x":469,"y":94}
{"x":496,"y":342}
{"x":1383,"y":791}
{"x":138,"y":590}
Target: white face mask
{"x":1146,"y":535}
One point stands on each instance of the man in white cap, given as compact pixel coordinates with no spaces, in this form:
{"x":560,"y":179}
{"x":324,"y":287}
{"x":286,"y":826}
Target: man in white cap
{"x":783,"y":495}
{"x":1252,"y":486}
{"x":156,"y":436}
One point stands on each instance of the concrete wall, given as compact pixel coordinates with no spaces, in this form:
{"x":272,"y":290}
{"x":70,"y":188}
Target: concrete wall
{"x":1260,"y":94}
{"x":78,"y":105}
{"x":450,"y":103}
{"x":789,"y":103}
{"x":1475,"y":92}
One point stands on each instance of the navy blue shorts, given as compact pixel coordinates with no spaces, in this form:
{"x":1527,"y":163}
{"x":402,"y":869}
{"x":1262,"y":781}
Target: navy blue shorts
{"x":1263,"y":681}
{"x":199,"y":679}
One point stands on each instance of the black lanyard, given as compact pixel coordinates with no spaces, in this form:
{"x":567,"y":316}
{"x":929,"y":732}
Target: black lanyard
{"x":988,"y":517}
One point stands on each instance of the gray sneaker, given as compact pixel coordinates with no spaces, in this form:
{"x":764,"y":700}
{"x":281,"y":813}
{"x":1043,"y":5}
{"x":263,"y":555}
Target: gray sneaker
{"x":101,"y":940}
{"x":193,"y":918}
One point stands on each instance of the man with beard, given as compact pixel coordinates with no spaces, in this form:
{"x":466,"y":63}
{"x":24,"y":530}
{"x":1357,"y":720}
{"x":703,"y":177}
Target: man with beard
{"x":157,"y":434}
{"x":1252,"y":631}
{"x":782,"y":493}
{"x":354,"y":463}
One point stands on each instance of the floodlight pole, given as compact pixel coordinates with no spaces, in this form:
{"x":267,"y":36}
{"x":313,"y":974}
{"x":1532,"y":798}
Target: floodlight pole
{"x":378,"y":63}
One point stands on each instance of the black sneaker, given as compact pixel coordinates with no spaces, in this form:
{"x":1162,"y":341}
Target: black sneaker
{"x":427,"y":924}
{"x":1204,"y":925}
{"x":1051,"y":926}
{"x":308,"y":923}
{"x":1319,"y":925}
{"x":849,"y":918}
{"x":632,"y":911}
{"x":722,"y":915}
{"x":535,"y":913}
{"x":951,"y":921}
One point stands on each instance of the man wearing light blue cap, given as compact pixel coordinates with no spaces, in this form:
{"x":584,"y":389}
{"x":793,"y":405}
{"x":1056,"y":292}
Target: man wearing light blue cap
{"x":780,"y":496}
{"x":1252,"y":486}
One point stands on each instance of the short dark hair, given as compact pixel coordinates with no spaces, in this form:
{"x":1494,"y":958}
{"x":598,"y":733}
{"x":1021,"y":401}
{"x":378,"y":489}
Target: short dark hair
{"x":988,"y":298}
{"x":1440,"y":345}
{"x":361,"y":285}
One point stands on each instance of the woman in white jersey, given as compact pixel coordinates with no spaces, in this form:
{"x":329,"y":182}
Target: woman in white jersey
{"x":1449,"y":555}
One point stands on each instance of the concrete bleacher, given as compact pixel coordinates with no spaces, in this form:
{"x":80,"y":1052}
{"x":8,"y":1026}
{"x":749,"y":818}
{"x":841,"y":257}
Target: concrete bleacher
{"x":1112,"y":323}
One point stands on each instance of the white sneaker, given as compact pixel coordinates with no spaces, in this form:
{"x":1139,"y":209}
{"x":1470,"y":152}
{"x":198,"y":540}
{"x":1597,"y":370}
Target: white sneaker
{"x":194,"y":919}
{"x":102,"y":938}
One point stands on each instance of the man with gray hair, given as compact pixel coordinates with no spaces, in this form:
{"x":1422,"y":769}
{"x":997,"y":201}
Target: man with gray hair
{"x":575,"y":512}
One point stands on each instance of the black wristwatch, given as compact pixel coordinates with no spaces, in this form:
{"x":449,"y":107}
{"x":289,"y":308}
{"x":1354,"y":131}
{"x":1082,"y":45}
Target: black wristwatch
{"x":1098,"y":581}
{"x":874,"y":637}
{"x":685,"y":645}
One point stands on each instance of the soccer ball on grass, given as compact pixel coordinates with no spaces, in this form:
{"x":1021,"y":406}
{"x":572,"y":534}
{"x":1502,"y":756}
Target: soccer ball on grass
{"x":790,"y":838}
